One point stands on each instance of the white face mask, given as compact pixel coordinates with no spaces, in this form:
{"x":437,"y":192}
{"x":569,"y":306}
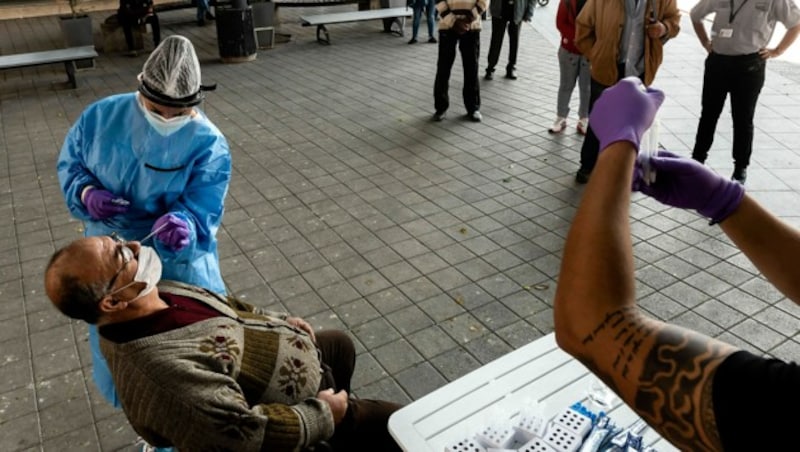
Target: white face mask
{"x":164,"y":127}
{"x":148,"y":272}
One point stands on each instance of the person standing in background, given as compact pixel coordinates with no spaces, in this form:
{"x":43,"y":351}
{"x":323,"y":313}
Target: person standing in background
{"x":430,"y":9}
{"x":150,"y":163}
{"x":459,"y":26}
{"x":507,"y":15}
{"x":621,"y":38}
{"x":137,"y":12}
{"x":736,"y":64}
{"x":203,"y":12}
{"x":573,"y":67}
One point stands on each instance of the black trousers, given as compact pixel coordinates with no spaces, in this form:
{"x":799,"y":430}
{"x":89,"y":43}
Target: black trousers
{"x":469,"y":44}
{"x":742,"y":77}
{"x":499,"y":27}
{"x":365,"y":426}
{"x":128,"y":22}
{"x":591,"y":145}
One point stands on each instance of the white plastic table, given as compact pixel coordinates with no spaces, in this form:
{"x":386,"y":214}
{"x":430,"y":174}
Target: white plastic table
{"x":539,"y":371}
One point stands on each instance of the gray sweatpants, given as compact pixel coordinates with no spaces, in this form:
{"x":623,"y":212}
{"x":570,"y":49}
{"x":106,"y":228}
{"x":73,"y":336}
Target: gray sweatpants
{"x":573,"y":68}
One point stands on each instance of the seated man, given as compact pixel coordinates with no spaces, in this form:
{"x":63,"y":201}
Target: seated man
{"x":700,"y":393}
{"x":137,"y":12}
{"x":199,"y":371}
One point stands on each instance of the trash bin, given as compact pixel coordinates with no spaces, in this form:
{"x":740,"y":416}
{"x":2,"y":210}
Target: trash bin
{"x":235,"y":34}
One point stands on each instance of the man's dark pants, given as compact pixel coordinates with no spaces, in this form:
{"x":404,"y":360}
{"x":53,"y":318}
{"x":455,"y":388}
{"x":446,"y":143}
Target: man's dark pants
{"x":591,"y":145}
{"x":128,"y":22}
{"x":469,"y":44}
{"x":743,"y":77}
{"x":365,"y":424}
{"x":499,"y":26}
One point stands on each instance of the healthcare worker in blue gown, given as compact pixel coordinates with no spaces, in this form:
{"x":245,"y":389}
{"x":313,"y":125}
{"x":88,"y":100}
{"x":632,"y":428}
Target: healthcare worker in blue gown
{"x":151,"y":161}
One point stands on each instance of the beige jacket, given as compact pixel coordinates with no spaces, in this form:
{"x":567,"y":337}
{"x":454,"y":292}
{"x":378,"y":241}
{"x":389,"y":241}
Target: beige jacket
{"x":597,"y":35}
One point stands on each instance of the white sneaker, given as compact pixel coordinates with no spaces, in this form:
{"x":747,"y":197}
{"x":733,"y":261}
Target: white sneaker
{"x":583,"y":126}
{"x":558,"y":126}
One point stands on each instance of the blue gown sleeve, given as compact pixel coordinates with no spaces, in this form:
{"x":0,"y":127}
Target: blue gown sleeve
{"x":72,"y":173}
{"x":201,"y":204}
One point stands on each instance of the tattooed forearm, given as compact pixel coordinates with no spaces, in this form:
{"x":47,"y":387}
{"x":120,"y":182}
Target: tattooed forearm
{"x":674,"y":388}
{"x":612,"y":320}
{"x":627,"y":331}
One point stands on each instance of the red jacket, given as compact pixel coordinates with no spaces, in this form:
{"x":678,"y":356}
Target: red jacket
{"x":565,"y":22}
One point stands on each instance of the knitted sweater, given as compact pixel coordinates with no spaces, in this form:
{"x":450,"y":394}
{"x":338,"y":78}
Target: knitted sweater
{"x":243,"y":381}
{"x":450,"y":10}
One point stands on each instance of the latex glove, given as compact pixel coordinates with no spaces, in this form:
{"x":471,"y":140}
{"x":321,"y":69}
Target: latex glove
{"x":624,"y":111}
{"x":173,"y":232}
{"x":103,"y":204}
{"x":687,"y":184}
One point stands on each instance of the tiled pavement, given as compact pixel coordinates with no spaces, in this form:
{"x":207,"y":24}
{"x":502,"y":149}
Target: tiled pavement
{"x":436,"y":245}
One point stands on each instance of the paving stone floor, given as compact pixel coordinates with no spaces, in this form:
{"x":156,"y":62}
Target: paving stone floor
{"x":436,"y":245}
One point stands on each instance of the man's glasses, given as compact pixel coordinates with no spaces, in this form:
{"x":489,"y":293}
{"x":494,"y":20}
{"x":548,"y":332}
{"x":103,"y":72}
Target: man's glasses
{"x":127,"y":256}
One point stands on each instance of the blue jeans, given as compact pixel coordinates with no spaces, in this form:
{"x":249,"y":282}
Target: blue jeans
{"x":202,"y":7}
{"x":430,"y":8}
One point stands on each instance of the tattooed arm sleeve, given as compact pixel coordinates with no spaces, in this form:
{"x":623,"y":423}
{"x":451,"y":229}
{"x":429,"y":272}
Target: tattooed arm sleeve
{"x":664,"y":372}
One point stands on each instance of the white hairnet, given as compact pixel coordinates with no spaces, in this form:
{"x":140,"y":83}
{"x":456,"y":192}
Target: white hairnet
{"x":172,"y":73}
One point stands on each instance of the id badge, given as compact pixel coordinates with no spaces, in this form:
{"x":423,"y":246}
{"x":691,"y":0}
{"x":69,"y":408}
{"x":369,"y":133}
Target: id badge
{"x":725,"y":32}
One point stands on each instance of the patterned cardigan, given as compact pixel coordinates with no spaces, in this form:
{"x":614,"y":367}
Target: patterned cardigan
{"x":450,"y":10}
{"x":244,"y":381}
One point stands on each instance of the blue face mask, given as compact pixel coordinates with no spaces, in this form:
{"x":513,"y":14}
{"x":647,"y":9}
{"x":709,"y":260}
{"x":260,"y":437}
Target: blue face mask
{"x":164,"y":127}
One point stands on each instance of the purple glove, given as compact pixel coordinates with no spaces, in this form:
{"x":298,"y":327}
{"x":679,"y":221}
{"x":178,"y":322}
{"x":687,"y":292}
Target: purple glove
{"x":103,"y":204}
{"x":685,"y":183}
{"x":173,"y":232}
{"x":624,"y":111}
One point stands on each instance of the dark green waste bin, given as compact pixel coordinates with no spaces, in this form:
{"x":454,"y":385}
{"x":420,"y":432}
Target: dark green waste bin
{"x":235,"y":34}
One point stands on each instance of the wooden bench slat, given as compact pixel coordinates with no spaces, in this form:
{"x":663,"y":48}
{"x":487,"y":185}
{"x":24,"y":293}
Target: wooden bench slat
{"x":355,"y":16}
{"x":398,"y":16}
{"x":46,"y":57}
{"x":67,"y":56}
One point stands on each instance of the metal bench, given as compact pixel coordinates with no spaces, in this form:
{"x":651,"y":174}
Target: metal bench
{"x":398,"y":15}
{"x":67,"y":56}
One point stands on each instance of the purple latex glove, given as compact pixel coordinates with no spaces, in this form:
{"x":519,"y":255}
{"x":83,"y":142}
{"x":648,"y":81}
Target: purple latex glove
{"x":688,"y":184}
{"x":103,"y":204}
{"x":173,"y":232}
{"x":624,"y":111}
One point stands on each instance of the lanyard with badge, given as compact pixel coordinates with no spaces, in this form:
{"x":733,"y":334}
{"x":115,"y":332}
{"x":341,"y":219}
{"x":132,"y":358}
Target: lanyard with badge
{"x":728,"y":32}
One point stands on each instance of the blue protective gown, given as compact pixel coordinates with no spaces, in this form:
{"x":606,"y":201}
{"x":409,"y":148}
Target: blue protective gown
{"x":113,"y":147}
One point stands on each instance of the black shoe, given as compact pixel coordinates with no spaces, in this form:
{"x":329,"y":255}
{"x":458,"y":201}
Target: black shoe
{"x":582,"y":176}
{"x":475,"y":116}
{"x":489,"y":75}
{"x":201,"y":22}
{"x":210,"y":16}
{"x":432,"y":40}
{"x":512,"y":74}
{"x":739,"y":175}
{"x":438,"y":116}
{"x":413,"y":41}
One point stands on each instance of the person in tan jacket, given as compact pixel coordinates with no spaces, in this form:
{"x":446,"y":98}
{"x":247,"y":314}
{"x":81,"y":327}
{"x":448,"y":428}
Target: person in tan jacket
{"x":621,"y":38}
